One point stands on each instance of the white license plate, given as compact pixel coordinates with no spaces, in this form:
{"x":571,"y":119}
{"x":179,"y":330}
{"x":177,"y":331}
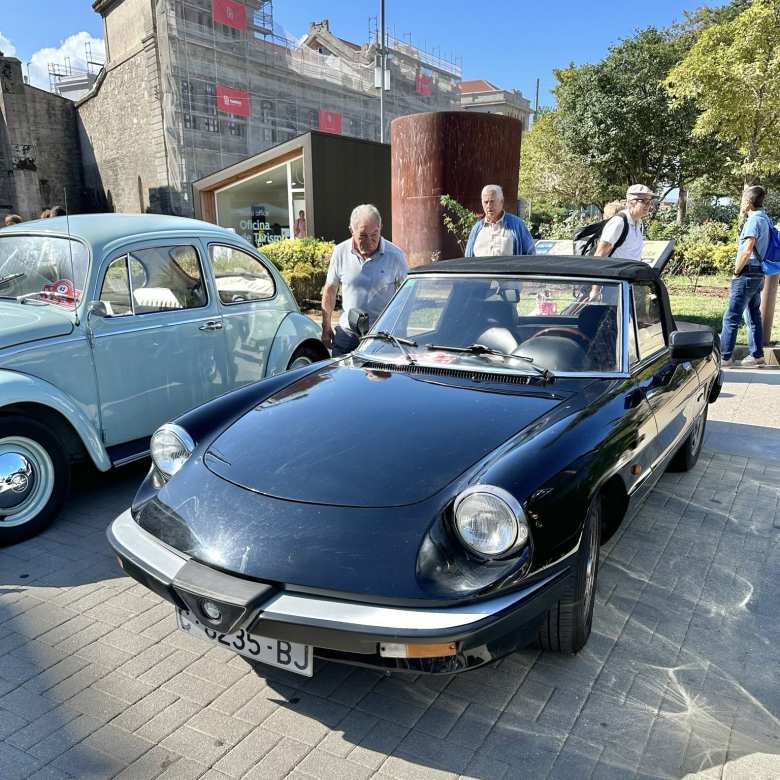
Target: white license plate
{"x":291,"y":656}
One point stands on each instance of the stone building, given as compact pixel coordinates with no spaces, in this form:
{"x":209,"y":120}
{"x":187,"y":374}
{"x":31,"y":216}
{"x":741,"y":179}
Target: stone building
{"x":194,"y":86}
{"x":481,"y":95}
{"x":39,"y":148}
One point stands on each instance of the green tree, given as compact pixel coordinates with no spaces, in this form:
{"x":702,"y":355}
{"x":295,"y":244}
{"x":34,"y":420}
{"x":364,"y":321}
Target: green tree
{"x":732,"y":73}
{"x":619,"y":117}
{"x":551,"y":175}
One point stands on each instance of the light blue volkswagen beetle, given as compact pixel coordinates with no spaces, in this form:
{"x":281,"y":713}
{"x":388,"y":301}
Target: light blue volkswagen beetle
{"x":112,"y":324}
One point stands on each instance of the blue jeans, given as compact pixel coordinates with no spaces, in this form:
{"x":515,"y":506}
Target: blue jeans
{"x":744,"y":298}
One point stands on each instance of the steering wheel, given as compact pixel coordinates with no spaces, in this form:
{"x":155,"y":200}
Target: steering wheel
{"x":562,"y":330}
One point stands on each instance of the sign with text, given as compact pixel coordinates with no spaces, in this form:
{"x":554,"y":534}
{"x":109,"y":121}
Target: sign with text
{"x":424,"y":85}
{"x":232,"y":101}
{"x":330,"y":122}
{"x":229,"y":12}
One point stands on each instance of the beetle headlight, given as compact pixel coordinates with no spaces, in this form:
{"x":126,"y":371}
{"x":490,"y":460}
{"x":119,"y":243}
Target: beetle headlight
{"x":170,"y":448}
{"x":490,"y":521}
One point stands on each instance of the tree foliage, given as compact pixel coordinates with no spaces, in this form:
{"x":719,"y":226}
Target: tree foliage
{"x":458,"y":220}
{"x":617,"y":115}
{"x":732,"y":73}
{"x":552,"y":174}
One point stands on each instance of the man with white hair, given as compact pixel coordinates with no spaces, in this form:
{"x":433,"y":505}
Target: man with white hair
{"x":624,"y":236}
{"x":369,"y":270}
{"x":499,"y":234}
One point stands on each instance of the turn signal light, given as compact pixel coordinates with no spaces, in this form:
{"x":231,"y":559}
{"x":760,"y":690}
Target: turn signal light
{"x":389,"y":650}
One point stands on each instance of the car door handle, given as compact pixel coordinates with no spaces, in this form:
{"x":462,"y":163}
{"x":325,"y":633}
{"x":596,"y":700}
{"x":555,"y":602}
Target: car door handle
{"x":211,"y":325}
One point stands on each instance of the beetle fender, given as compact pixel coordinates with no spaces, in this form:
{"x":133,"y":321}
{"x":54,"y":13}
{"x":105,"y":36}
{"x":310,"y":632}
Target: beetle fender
{"x":18,"y":388}
{"x":293,"y":330}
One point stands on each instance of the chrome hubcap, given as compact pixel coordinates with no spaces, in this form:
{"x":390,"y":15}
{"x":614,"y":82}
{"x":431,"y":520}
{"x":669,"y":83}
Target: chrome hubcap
{"x":300,"y":363}
{"x":26,"y":480}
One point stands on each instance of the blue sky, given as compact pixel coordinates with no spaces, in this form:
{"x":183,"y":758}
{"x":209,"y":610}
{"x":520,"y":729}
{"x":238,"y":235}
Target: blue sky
{"x":511,"y":44}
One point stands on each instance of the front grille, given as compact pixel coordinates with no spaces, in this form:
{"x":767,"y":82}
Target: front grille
{"x":473,"y":376}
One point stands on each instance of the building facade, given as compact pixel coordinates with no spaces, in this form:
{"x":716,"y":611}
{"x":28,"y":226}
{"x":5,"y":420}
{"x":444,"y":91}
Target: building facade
{"x":39,"y":148}
{"x":481,"y":95}
{"x":195,"y":86}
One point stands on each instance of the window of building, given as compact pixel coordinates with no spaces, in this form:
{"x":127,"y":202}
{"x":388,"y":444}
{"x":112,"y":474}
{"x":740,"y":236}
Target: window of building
{"x":239,"y":276}
{"x":650,"y":331}
{"x":236,"y":129}
{"x":189,"y":122}
{"x":211,"y":125}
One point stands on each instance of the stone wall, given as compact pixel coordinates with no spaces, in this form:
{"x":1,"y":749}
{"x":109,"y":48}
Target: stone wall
{"x":39,"y":149}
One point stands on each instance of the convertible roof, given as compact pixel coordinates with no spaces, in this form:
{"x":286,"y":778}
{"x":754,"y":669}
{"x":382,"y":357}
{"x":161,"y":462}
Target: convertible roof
{"x":555,"y":265}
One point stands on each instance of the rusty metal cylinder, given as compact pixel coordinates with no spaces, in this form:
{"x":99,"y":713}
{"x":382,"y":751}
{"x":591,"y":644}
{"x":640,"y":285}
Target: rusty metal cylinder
{"x":452,"y":153}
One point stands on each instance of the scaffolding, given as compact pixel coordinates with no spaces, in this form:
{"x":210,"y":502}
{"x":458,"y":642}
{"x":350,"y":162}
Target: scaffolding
{"x":280,"y":88}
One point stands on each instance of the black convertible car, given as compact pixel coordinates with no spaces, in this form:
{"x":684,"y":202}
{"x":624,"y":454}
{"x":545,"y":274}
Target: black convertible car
{"x":437,"y":498}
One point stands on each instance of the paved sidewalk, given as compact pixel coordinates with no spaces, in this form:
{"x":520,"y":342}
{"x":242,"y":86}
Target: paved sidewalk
{"x":680,"y":677}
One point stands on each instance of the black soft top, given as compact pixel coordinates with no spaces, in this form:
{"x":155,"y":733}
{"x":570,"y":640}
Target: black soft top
{"x":554,"y":265}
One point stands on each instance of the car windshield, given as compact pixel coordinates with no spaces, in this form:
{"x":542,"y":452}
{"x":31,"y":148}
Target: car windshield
{"x":43,"y":269}
{"x":502,"y":324}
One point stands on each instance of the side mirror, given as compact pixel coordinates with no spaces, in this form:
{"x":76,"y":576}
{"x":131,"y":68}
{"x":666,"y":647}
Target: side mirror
{"x":98,"y":309}
{"x":358,"y":321}
{"x":691,"y":344}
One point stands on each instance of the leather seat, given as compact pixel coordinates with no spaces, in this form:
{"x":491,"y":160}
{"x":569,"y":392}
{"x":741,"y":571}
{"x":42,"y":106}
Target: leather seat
{"x":498,"y":338}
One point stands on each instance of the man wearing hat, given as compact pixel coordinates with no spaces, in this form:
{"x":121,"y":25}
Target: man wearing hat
{"x":623,"y":236}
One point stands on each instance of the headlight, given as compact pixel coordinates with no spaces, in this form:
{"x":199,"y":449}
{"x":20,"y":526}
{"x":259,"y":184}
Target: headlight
{"x":490,"y":521}
{"x":171,"y":447}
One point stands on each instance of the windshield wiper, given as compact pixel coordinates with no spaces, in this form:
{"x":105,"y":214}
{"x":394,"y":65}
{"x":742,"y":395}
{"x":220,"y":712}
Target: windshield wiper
{"x":5,"y":280}
{"x":34,"y":297}
{"x":401,"y":343}
{"x":481,"y":349}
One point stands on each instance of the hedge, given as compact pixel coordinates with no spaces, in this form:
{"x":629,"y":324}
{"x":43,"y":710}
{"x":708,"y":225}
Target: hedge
{"x":303,"y":263}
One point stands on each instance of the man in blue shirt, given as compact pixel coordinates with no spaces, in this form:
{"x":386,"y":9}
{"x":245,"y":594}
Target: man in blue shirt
{"x":499,"y":233}
{"x":747,"y":282}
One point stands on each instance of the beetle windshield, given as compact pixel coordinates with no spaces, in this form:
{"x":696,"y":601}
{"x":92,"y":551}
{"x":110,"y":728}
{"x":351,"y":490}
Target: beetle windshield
{"x":43,"y":269}
{"x":558,"y":325}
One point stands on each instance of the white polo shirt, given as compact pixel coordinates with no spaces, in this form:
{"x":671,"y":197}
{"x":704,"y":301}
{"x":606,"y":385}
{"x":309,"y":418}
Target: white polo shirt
{"x":631,"y":248}
{"x":494,"y":240}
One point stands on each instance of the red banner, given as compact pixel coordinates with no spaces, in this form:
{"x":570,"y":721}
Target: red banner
{"x":229,"y":12}
{"x":330,"y":122}
{"x":424,"y":85}
{"x":232,"y":101}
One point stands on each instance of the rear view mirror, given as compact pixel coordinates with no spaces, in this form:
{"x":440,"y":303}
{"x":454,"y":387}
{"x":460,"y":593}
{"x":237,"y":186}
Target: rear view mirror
{"x":691,"y":344}
{"x":98,"y":309}
{"x":358,"y":321}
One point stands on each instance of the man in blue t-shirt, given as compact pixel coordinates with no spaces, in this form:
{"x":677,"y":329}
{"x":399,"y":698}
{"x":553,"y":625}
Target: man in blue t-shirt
{"x":747,"y":282}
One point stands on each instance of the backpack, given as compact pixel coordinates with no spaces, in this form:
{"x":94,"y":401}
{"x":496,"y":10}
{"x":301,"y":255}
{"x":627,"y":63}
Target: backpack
{"x":771,"y":260}
{"x":586,"y":239}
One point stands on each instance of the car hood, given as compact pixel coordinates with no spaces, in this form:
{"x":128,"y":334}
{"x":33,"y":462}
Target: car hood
{"x":20,"y":324}
{"x":354,"y":437}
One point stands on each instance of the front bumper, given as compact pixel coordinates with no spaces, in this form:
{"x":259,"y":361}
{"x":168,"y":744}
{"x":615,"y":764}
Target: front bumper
{"x":339,"y":629}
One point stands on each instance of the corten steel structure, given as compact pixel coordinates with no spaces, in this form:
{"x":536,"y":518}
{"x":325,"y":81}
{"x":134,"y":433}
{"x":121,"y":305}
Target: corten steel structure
{"x":448,"y":153}
{"x":321,"y":174}
{"x":210,"y":82}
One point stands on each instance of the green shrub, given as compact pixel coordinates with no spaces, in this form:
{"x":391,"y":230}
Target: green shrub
{"x":305,"y":281}
{"x":458,"y":220}
{"x":563,"y":228}
{"x":291,"y":252}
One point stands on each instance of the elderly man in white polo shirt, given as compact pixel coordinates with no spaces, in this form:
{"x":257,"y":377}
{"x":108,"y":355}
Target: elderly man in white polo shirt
{"x":624,"y":236}
{"x":369,"y":270}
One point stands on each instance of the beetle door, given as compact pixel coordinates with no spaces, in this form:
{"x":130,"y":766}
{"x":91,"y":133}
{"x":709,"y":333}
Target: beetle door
{"x":252,"y":307}
{"x":159,"y":350}
{"x":672,"y":389}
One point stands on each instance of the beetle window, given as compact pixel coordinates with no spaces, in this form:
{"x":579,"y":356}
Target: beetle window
{"x":650,"y":330}
{"x":166,"y":278}
{"x":239,"y":276}
{"x":115,"y":293}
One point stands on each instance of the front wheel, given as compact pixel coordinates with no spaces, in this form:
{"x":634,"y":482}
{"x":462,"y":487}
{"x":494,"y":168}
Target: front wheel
{"x":685,"y":458}
{"x":305,"y":355}
{"x":567,"y":625}
{"x":34,"y":478}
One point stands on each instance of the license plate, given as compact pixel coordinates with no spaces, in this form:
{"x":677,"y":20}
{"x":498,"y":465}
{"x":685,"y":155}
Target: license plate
{"x":291,"y":656}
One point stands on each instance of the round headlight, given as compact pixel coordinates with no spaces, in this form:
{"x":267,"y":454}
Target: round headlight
{"x":171,"y":447}
{"x":490,"y":521}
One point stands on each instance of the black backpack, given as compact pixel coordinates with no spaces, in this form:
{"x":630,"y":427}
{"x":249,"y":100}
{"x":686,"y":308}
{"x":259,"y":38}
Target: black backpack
{"x":586,"y":239}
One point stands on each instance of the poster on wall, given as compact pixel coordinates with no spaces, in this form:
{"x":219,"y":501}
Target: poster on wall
{"x":330,"y":122}
{"x":424,"y":85}
{"x":229,"y":12}
{"x":232,"y":101}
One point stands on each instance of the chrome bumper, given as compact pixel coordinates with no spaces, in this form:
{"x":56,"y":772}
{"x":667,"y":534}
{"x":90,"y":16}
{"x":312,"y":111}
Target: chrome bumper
{"x":163,"y":570}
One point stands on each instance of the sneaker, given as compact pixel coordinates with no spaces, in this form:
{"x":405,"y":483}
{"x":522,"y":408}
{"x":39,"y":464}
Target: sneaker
{"x":752,"y":362}
{"x":726,"y":363}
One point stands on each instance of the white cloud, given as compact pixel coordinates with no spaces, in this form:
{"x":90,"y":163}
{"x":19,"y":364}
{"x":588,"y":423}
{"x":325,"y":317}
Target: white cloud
{"x":73,"y":47}
{"x":6,"y":46}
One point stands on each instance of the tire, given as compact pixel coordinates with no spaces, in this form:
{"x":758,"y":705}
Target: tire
{"x":36,"y":474}
{"x":685,"y":458}
{"x":567,"y":625}
{"x":305,"y":355}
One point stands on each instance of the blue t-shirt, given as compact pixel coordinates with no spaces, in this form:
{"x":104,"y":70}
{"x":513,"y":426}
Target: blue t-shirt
{"x":756,"y":226}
